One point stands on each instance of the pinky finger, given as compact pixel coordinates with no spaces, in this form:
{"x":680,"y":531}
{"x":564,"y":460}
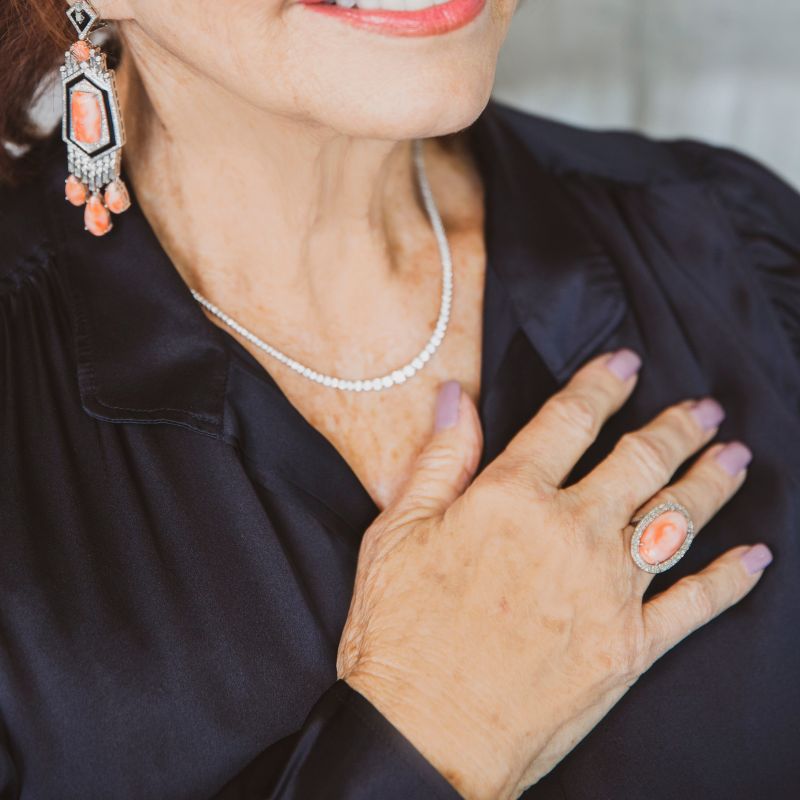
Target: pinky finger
{"x":696,"y":599}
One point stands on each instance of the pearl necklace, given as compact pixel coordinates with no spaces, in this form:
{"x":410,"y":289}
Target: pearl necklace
{"x":401,"y":374}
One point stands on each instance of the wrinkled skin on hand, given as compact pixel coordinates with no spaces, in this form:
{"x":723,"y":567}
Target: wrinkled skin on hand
{"x":495,"y":621}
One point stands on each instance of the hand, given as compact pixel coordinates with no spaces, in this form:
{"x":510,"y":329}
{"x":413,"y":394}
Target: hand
{"x":495,"y":625}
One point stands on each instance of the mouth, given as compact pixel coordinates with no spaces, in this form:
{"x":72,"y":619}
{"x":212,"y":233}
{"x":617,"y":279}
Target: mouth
{"x":401,"y":17}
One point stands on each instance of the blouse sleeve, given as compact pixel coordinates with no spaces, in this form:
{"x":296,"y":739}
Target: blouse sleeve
{"x":345,"y":750}
{"x":764,"y":213}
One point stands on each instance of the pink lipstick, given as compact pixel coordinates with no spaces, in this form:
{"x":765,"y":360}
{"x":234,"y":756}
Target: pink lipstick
{"x":430,"y":21}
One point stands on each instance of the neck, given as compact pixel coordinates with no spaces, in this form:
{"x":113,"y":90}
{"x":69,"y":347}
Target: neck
{"x":250,"y":204}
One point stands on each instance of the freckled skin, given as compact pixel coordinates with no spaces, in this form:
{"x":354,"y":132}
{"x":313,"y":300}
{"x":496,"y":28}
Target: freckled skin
{"x":554,"y":624}
{"x":379,"y":434}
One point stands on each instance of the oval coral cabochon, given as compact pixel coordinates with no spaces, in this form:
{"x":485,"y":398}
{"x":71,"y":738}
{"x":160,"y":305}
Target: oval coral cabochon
{"x":663,"y":537}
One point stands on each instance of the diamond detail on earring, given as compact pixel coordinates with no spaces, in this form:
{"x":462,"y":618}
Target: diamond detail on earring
{"x":82,"y":16}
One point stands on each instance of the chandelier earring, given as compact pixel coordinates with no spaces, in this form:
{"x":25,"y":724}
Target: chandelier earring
{"x":92,"y":127}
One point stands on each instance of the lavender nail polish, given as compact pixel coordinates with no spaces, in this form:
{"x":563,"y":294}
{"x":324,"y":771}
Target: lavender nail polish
{"x":758,"y":557}
{"x":734,"y":457}
{"x":624,"y":363}
{"x":708,"y":412}
{"x":447,"y":404}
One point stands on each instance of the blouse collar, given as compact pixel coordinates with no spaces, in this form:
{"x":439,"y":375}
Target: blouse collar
{"x":146,"y":352}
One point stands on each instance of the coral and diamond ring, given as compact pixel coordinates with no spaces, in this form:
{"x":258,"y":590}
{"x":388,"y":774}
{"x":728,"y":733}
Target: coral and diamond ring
{"x":662,"y":537}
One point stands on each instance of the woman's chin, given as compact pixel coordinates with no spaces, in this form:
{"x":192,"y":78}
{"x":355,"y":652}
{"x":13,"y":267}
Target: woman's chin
{"x":398,"y":117}
{"x":401,"y":107}
{"x":365,"y":82}
{"x":305,"y":61}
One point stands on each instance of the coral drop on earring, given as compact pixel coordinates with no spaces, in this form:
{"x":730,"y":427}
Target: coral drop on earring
{"x":75,"y":191}
{"x":92,"y":127}
{"x":116,"y":196}
{"x":96,"y":216}
{"x":81,"y":51}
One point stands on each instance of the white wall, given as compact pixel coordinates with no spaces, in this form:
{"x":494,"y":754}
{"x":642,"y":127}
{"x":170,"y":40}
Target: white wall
{"x":727,"y":71}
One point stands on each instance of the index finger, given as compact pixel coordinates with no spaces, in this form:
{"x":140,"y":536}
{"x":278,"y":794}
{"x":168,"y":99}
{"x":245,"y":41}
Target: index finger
{"x":549,"y":446}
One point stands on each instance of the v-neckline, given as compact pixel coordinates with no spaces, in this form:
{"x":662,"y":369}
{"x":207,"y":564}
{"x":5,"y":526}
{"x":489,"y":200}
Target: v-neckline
{"x":330,"y":478}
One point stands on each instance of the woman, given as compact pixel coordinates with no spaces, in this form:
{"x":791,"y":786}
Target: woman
{"x":236,"y":571}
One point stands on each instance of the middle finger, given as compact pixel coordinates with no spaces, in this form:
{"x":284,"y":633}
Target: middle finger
{"x":644,"y":460}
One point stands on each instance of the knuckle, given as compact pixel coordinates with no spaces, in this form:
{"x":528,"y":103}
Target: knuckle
{"x":698,"y":597}
{"x":714,"y":491}
{"x":647,"y":452}
{"x":436,"y":457}
{"x":678,"y":418}
{"x":508,"y":483}
{"x":667,"y":495}
{"x":721,"y":482}
{"x":490,"y":490}
{"x":685,"y":497}
{"x":577,"y":411}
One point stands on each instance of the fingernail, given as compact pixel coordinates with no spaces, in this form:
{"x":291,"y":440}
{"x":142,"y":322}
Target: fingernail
{"x":734,"y":457}
{"x":758,"y":557}
{"x":708,"y":412}
{"x":624,"y":363}
{"x":447,"y":405}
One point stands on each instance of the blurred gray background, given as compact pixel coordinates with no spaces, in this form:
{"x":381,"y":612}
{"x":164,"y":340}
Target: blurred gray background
{"x":727,"y":71}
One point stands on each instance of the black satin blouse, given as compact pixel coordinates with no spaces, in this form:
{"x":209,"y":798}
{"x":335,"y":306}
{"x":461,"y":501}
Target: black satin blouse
{"x":178,"y":545}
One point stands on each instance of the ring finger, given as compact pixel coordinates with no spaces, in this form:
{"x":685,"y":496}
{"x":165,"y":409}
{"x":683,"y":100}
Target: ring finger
{"x":707,"y":485}
{"x":644,"y":460}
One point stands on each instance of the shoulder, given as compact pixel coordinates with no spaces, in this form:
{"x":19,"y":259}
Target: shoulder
{"x":706,"y":199}
{"x":26,"y":234}
{"x":754,"y":201}
{"x":626,"y":156}
{"x":34,"y":311}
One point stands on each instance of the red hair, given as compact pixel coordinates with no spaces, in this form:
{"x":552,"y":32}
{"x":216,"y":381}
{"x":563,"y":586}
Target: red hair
{"x":33,"y":37}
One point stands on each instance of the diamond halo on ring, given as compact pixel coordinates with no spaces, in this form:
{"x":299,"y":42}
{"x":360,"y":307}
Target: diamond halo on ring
{"x":644,"y":522}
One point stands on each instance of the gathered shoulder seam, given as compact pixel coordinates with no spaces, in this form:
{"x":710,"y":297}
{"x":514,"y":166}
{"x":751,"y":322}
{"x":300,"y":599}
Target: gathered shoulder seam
{"x":40,"y":258}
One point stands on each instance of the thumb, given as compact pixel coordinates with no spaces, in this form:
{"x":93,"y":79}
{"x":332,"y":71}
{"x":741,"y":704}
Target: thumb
{"x":447,"y":463}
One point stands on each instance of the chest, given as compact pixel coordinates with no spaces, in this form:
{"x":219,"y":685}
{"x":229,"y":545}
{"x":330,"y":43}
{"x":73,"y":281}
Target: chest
{"x":379,"y":434}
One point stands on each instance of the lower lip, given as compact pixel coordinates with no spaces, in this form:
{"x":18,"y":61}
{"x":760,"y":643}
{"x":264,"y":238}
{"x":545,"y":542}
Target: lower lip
{"x":424,"y":22}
